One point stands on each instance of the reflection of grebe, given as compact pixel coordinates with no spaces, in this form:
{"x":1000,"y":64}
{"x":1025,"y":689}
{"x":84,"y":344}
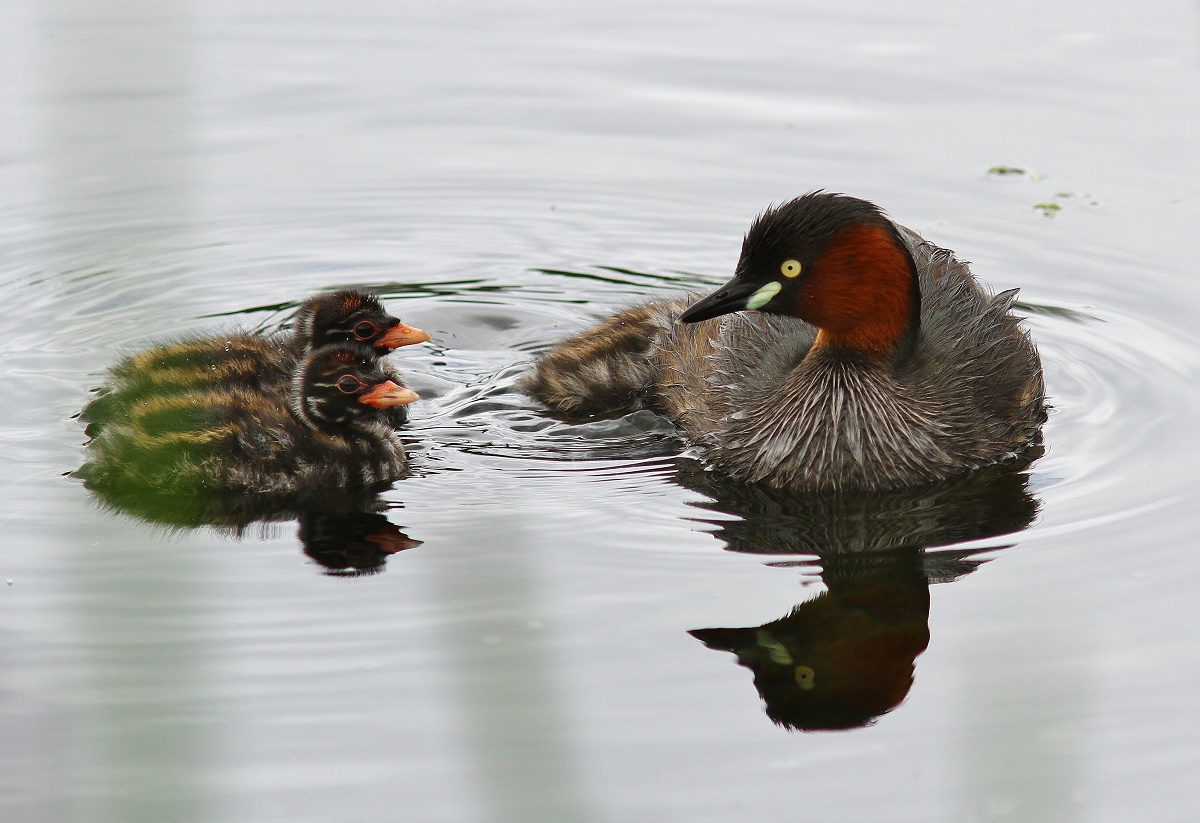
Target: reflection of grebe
{"x":247,"y":360}
{"x":994,"y":501}
{"x":878,"y":362}
{"x":327,"y":431}
{"x":847,"y":656}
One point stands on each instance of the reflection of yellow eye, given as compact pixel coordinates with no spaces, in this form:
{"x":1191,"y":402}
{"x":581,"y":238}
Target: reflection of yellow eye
{"x":790,"y":268}
{"x":806,"y":678}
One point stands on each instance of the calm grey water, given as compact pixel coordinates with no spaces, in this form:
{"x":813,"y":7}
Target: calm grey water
{"x":506,"y":176}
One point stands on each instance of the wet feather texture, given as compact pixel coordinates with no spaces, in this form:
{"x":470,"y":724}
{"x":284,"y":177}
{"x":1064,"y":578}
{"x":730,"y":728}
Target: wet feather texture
{"x":248,"y":360}
{"x":771,"y":398}
{"x":320,"y":433}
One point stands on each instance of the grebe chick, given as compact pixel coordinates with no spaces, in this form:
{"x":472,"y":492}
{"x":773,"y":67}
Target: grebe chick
{"x":869,"y":359}
{"x":252,"y":360}
{"x":328,"y":430}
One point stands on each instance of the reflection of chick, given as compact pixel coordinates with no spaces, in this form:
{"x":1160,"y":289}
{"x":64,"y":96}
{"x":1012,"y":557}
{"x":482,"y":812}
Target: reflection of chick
{"x":348,"y":544}
{"x":327,"y":430}
{"x":250,"y":360}
{"x":842,"y":659}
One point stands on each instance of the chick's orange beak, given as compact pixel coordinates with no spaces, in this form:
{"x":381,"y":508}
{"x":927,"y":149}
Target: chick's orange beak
{"x":402,"y":335}
{"x":388,"y":394}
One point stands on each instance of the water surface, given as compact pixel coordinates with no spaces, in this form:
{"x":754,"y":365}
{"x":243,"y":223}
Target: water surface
{"x":552,"y":641}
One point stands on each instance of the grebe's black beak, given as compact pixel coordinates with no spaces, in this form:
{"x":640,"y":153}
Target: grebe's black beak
{"x":729,"y":298}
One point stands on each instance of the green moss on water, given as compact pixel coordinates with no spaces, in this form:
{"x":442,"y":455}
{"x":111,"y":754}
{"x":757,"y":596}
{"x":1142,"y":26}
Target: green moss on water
{"x":1005,"y":170}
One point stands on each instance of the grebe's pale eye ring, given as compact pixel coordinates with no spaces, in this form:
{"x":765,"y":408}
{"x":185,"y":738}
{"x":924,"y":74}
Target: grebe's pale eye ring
{"x":366,"y":330}
{"x":349,"y":384}
{"x":790,"y":268}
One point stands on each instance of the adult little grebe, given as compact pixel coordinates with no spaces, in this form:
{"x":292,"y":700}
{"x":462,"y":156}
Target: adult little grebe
{"x":874,"y":360}
{"x":329,"y":430}
{"x":251,"y":360}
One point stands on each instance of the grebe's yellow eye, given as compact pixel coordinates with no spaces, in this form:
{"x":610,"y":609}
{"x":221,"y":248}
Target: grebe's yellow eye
{"x":790,"y":268}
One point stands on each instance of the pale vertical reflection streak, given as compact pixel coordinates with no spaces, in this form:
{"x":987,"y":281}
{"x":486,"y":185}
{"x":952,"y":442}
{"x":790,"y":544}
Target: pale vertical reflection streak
{"x":511,"y":706}
{"x":1025,"y":740}
{"x":113,"y":108}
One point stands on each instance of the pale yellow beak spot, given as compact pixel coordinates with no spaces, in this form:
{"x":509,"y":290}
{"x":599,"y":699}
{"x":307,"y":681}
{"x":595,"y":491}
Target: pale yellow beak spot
{"x":776,"y":651}
{"x":764,"y":295}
